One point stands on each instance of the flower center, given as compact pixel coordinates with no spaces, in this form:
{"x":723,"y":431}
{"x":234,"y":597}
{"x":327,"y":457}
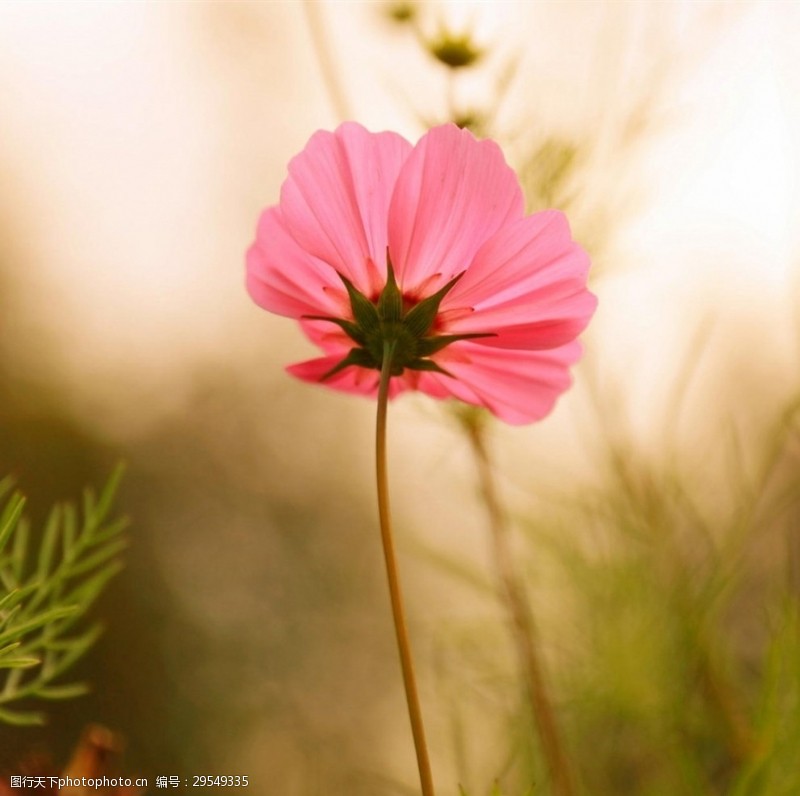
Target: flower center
{"x":393,"y":319}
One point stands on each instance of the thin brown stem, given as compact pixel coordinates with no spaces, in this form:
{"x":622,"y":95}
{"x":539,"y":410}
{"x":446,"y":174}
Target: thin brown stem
{"x":395,"y":593}
{"x":523,"y":626}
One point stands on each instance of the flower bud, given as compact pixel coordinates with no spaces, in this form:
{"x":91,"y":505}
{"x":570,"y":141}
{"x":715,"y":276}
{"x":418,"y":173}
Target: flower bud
{"x":454,"y":51}
{"x":401,"y":12}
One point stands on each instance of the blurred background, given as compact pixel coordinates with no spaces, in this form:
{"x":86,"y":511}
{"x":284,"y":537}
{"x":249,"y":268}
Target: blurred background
{"x":250,"y":633}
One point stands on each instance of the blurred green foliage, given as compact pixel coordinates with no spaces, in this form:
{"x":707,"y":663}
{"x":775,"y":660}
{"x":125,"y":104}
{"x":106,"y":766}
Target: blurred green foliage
{"x":677,"y":637}
{"x":46,"y":592}
{"x":496,"y":791}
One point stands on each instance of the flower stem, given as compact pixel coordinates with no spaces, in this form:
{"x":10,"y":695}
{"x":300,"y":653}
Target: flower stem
{"x":524,"y":628}
{"x":395,"y":594}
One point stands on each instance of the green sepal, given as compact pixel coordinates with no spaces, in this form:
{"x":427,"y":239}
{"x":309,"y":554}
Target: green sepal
{"x":420,"y":318}
{"x":430,"y":345}
{"x":364,"y":311}
{"x":357,"y":356}
{"x":429,"y":365}
{"x":351,"y":329}
{"x":390,"y":302}
{"x":386,"y":321}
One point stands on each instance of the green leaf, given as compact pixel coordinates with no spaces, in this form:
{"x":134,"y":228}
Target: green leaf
{"x":74,"y":560}
{"x":88,"y":591}
{"x":109,"y":531}
{"x":20,"y":718}
{"x":93,"y":561}
{"x":47,"y":550}
{"x":59,"y":692}
{"x":76,"y":650}
{"x":9,"y":648}
{"x":53,"y":615}
{"x":70,"y":530}
{"x":10,"y":518}
{"x":6,"y":621}
{"x":19,"y":594}
{"x":108,"y":494}
{"x":19,"y":663}
{"x":20,"y":549}
{"x":80,"y":643}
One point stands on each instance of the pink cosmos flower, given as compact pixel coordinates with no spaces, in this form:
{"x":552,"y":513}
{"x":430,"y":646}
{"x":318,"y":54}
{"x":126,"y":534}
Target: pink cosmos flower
{"x":429,"y":246}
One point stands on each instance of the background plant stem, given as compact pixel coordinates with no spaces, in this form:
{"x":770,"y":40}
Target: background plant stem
{"x":395,"y":593}
{"x":523,"y":626}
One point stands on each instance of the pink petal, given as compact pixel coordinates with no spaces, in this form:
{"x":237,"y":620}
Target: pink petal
{"x":352,"y":379}
{"x":335,"y":201}
{"x":328,"y":336}
{"x":452,"y":195}
{"x":537,"y":320}
{"x":518,"y":386}
{"x":283,"y":278}
{"x":361,"y":381}
{"x":526,"y":285}
{"x":519,"y":250}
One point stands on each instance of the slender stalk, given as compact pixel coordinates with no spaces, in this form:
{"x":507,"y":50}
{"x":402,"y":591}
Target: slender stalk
{"x":523,"y":626}
{"x":395,"y":593}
